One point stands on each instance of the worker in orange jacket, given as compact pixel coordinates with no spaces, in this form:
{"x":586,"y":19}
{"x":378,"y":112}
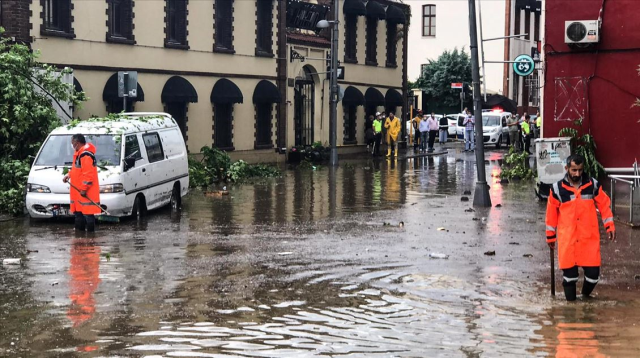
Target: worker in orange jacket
{"x":572,"y":221}
{"x":84,"y":176}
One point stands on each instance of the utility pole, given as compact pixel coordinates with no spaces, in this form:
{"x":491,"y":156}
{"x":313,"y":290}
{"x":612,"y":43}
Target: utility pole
{"x":481,"y":196}
{"x":333,"y":83}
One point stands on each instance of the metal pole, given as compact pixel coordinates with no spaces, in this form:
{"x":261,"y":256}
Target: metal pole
{"x":481,"y":197}
{"x":333,"y":111}
{"x":484,"y":77}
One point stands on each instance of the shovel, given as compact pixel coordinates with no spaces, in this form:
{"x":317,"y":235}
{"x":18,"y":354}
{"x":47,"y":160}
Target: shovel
{"x":104,"y":217}
{"x":552,"y":272}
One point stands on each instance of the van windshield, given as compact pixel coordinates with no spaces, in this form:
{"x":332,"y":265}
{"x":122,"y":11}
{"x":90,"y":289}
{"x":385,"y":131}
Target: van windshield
{"x":490,"y":121}
{"x":57,"y":150}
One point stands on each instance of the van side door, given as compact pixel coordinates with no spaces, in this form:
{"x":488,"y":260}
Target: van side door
{"x":159,"y":190}
{"x":134,"y":179}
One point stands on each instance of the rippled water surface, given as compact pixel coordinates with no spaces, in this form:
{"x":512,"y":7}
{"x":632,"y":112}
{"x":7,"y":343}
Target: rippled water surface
{"x":317,"y":263}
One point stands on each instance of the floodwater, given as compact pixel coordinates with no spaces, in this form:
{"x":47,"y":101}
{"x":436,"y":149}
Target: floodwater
{"x":316,"y":263}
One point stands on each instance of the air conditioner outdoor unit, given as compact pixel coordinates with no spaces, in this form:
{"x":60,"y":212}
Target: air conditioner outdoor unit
{"x":581,"y":32}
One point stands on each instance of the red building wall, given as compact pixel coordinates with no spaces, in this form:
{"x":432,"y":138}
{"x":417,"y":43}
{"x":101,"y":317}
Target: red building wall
{"x":611,"y":80}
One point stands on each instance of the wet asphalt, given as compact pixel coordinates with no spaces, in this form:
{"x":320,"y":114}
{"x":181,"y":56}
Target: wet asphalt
{"x":326,"y":262}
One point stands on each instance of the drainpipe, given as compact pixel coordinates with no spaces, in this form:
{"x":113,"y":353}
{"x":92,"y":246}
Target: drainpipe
{"x":281,"y":66}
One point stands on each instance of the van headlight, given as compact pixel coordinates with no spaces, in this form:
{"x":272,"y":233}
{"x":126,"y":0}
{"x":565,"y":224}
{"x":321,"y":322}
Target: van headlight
{"x":494,"y":130}
{"x":111,"y":188}
{"x":36,"y":188}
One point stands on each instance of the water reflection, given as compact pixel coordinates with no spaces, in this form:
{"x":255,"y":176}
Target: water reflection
{"x":84,"y":272}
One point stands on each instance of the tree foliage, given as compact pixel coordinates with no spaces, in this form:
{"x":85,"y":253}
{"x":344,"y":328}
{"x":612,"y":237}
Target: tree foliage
{"x":451,"y":67}
{"x":27,"y":115}
{"x":585,"y":145}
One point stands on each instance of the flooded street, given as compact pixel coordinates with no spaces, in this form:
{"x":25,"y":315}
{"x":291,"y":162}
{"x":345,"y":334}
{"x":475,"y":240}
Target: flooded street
{"x":327,"y":262}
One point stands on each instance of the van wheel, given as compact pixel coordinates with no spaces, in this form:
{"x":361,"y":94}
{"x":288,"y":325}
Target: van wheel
{"x":139,"y":208}
{"x":499,"y":144}
{"x":176,"y":199}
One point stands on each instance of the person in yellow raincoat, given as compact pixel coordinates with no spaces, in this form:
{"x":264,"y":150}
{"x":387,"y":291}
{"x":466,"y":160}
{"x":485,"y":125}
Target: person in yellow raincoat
{"x":392,"y":124}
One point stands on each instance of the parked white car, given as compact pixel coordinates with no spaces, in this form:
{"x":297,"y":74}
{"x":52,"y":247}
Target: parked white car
{"x":459,"y":129}
{"x":494,"y":127}
{"x":142,"y":160}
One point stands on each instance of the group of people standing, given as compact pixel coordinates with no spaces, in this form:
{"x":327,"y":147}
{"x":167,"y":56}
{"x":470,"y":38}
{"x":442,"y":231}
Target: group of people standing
{"x":522,"y":131}
{"x":374,"y":133}
{"x":425,"y":129}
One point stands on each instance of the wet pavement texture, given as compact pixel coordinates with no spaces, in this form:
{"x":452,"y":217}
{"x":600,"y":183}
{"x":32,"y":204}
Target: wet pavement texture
{"x":331,"y":262}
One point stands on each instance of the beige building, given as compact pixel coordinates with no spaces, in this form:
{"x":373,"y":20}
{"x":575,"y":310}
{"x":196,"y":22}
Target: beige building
{"x":231,"y":72}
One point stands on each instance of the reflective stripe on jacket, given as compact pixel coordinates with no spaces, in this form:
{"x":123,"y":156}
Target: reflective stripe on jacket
{"x":84,"y":176}
{"x":572,"y":221}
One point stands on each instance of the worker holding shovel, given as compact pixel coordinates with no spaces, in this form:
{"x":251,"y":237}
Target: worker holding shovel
{"x":85,"y":189}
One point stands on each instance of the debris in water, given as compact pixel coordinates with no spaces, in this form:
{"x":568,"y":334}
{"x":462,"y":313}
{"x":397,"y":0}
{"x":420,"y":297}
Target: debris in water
{"x":401,"y":224}
{"x":285,"y":253}
{"x":490,"y":253}
{"x":216,"y":193}
{"x":441,"y":229}
{"x":637,"y":277}
{"x":527,"y":255}
{"x":11,"y":261}
{"x":32,"y":251}
{"x":464,"y":198}
{"x":470,"y":210}
{"x":514,"y":243}
{"x":467,"y":192}
{"x":437,"y":255}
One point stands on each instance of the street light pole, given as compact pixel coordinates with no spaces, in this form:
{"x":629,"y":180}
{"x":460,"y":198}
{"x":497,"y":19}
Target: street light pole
{"x":481,"y":196}
{"x":333,"y":84}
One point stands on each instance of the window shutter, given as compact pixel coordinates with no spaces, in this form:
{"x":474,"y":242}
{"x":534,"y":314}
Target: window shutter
{"x":181,"y":21}
{"x":392,"y":31}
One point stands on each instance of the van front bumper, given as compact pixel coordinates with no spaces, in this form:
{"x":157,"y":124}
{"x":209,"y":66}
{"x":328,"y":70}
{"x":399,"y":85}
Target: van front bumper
{"x":48,"y":205}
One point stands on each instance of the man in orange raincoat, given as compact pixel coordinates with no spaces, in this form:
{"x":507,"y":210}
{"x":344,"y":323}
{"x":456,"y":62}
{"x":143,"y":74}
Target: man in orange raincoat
{"x":84,"y":177}
{"x":572,"y":221}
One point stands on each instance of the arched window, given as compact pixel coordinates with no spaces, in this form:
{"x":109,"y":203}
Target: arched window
{"x":223,"y":96}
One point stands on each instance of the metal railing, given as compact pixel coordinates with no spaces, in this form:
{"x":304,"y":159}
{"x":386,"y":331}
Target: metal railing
{"x":633,"y":181}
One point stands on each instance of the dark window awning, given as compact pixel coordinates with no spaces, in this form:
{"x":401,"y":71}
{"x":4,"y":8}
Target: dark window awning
{"x":226,"y":92}
{"x":354,"y":7}
{"x":395,"y":15}
{"x":178,"y":89}
{"x":373,"y":97}
{"x":393,"y":98}
{"x":352,"y":97}
{"x":266,"y":93}
{"x":110,"y":92}
{"x":375,"y":10}
{"x":76,"y":85}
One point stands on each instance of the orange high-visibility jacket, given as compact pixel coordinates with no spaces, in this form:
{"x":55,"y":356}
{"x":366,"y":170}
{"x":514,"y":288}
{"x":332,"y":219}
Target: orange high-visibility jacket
{"x":84,"y":176}
{"x":572,"y":221}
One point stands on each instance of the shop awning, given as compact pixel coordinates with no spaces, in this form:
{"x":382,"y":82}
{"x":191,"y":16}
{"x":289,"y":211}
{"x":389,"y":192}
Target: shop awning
{"x":373,"y":97}
{"x":354,"y":7}
{"x":375,"y":10}
{"x":393,"y":98}
{"x":110,"y":92}
{"x":76,"y":85}
{"x":499,"y":101}
{"x":266,"y":92}
{"x":225,"y":92}
{"x":352,"y":97}
{"x":395,"y":15}
{"x":178,"y":89}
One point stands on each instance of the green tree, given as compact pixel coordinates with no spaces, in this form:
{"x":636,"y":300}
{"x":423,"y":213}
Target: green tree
{"x":451,"y":67}
{"x":27,"y":115}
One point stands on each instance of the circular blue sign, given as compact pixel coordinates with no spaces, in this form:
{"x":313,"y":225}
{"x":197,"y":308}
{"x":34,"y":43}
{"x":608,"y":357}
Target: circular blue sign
{"x":523,"y":65}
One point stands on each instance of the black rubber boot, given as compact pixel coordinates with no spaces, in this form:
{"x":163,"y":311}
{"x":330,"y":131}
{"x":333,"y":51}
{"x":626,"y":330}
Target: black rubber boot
{"x":590,"y":274}
{"x":570,"y":291}
{"x":587,"y":288}
{"x":91,"y":223}
{"x":80,"y":222}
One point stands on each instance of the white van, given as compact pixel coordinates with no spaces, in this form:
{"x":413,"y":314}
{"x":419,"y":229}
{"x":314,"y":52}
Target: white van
{"x":494,"y":127}
{"x":142,"y":165}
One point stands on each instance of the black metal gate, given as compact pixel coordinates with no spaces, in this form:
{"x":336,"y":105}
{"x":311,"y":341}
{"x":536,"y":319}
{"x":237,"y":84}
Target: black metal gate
{"x":304,"y":111}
